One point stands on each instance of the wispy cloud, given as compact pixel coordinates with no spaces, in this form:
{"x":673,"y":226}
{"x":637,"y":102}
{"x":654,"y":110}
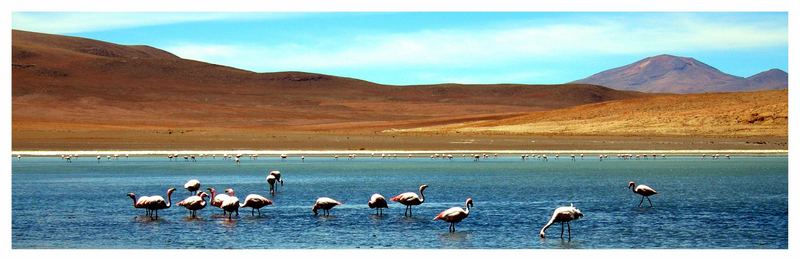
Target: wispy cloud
{"x":64,"y":23}
{"x":495,"y":45}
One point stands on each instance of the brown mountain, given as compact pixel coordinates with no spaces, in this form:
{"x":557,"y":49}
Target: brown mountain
{"x":674,"y":74}
{"x":63,"y":85}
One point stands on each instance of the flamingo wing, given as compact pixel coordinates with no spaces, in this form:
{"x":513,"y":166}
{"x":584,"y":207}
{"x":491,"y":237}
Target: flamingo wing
{"x":454,"y":214}
{"x":645,"y":190}
{"x":405,"y":197}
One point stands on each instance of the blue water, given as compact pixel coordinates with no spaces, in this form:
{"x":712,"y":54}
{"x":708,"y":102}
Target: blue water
{"x":736,"y":203}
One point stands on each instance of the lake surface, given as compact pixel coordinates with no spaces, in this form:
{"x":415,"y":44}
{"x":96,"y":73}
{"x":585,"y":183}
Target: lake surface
{"x":736,"y":203}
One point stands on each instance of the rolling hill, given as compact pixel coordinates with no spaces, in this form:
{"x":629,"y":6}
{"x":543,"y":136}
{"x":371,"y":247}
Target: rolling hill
{"x":69,"y":79}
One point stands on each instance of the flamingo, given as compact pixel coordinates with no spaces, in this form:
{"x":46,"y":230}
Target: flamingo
{"x":236,"y":161}
{"x":378,"y":202}
{"x":271,"y":181}
{"x":192,"y":186}
{"x":140,"y":203}
{"x":19,"y":157}
{"x":410,"y":199}
{"x":326,"y":204}
{"x":153,"y":203}
{"x":643,"y":190}
{"x":230,"y":204}
{"x":255,"y":202}
{"x":194,"y":203}
{"x":277,"y":175}
{"x":217,"y":199}
{"x":563,"y":215}
{"x":455,"y":215}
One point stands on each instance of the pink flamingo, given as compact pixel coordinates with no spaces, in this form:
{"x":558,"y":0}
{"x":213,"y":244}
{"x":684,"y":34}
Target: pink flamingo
{"x":643,"y":190}
{"x":378,"y":202}
{"x":217,"y":199}
{"x":411,"y":199}
{"x":153,"y":203}
{"x":563,"y":215}
{"x":194,"y":203}
{"x":192,"y":186}
{"x":326,"y":204}
{"x":455,"y":215}
{"x":230,"y":204}
{"x":255,"y":202}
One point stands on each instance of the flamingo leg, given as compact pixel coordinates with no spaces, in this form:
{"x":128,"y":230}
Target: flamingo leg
{"x":562,"y":230}
{"x":569,"y":232}
{"x":259,"y":212}
{"x":253,"y":212}
{"x":651,"y":202}
{"x":640,"y":201}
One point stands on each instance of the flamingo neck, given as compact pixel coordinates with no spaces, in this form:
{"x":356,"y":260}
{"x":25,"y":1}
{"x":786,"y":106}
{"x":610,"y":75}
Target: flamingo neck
{"x":169,"y":198}
{"x":422,"y":195}
{"x":466,"y":206}
{"x":133,"y":197}
{"x":213,"y":194}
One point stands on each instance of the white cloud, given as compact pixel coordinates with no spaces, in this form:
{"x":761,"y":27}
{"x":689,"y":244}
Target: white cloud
{"x":494,"y":46}
{"x":64,"y":23}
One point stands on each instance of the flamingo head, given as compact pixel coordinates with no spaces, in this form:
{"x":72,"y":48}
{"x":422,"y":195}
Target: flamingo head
{"x":211,"y":190}
{"x":631,"y":184}
{"x":576,"y":213}
{"x":202,"y":195}
{"x":423,"y":187}
{"x":133,"y":196}
{"x":170,"y":190}
{"x":314,"y":209}
{"x":469,"y":202}
{"x":229,"y":191}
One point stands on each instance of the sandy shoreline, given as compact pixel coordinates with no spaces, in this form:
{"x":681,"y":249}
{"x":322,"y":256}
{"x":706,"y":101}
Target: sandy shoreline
{"x":400,"y":153}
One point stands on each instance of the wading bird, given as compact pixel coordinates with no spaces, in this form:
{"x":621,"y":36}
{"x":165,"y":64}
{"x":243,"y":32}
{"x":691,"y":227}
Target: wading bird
{"x":230,"y":204}
{"x":378,"y":202}
{"x":326,"y":204}
{"x":153,"y":203}
{"x":411,"y":199}
{"x":192,"y":186}
{"x":255,"y":202}
{"x":563,"y":215}
{"x":194,"y":203}
{"x":643,"y":190}
{"x":455,"y":215}
{"x":217,"y":199}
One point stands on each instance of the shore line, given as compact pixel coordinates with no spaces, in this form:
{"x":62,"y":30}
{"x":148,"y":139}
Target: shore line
{"x":378,"y":152}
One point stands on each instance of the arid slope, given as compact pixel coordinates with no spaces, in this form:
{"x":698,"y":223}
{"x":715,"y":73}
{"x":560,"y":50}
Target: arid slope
{"x":745,"y":114}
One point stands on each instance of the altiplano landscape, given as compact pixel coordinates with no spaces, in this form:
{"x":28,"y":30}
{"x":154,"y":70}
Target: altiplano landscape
{"x":71,"y":93}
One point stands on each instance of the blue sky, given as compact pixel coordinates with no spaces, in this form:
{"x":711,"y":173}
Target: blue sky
{"x":435,"y":47}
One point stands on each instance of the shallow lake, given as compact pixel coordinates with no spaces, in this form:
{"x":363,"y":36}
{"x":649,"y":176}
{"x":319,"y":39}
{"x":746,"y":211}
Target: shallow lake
{"x":727,"y":203}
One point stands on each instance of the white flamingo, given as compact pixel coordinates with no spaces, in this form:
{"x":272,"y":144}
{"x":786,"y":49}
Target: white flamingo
{"x":194,"y":203}
{"x":192,"y":186}
{"x":455,"y":215}
{"x":643,"y":190}
{"x":378,"y":202}
{"x":563,"y":215}
{"x":326,"y":204}
{"x":411,"y":199}
{"x":255,"y":202}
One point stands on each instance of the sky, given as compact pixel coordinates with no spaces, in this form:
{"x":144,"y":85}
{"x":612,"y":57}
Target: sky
{"x":439,"y":47}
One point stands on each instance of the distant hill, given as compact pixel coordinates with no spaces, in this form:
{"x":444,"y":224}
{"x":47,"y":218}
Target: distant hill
{"x":674,"y":74}
{"x":737,"y":114}
{"x":70,"y":80}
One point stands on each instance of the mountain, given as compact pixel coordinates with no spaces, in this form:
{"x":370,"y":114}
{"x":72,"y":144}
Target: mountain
{"x":65,"y":84}
{"x":674,"y":74}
